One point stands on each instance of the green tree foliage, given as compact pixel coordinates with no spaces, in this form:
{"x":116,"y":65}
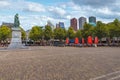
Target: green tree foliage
{"x":5,"y":33}
{"x":100,"y":30}
{"x":88,"y":30}
{"x":111,"y":30}
{"x":23,"y":33}
{"x":36,"y":33}
{"x":116,"y":23}
{"x":79,"y":34}
{"x":71,"y":33}
{"x":114,"y":28}
{"x":59,"y":33}
{"x":48,"y":34}
{"x":65,"y":34}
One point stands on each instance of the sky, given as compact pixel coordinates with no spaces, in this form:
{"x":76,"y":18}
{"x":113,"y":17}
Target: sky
{"x":38,"y":12}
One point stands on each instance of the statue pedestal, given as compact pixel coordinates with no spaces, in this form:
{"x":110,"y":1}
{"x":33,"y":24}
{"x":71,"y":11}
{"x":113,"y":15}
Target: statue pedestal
{"x":16,"y":42}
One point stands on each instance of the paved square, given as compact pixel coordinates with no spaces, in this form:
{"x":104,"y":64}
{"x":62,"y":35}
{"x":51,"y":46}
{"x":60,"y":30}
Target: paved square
{"x":60,"y":63}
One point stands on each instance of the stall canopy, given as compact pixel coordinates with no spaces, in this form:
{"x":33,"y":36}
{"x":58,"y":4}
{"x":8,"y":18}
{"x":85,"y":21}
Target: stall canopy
{"x":89,"y":40}
{"x":96,"y":40}
{"x":76,"y":40}
{"x":67,"y":40}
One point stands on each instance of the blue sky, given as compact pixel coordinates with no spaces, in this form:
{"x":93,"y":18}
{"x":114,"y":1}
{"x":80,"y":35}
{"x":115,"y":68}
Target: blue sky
{"x":38,"y":12}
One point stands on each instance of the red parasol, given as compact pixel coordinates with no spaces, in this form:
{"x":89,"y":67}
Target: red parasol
{"x":76,"y":40}
{"x":90,"y":40}
{"x":96,"y":40}
{"x":83,"y":41}
{"x":67,"y":40}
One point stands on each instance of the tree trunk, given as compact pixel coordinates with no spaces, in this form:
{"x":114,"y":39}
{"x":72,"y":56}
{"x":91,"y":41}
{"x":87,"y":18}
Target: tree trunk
{"x":118,"y":41}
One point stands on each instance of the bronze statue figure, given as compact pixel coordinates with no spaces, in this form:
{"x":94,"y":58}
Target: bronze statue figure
{"x":16,"y":21}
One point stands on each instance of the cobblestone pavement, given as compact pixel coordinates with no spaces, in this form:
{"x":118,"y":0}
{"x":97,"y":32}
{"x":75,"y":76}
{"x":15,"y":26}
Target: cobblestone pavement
{"x":60,"y":63}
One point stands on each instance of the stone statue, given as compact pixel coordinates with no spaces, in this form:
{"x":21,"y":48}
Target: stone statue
{"x":16,"y":41}
{"x":16,"y":21}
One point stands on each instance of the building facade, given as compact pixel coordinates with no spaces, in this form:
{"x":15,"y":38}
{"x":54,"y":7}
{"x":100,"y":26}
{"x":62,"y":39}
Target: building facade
{"x":82,"y":21}
{"x":61,"y":25}
{"x":92,"y":20}
{"x":57,"y":25}
{"x":73,"y":23}
{"x":10,"y":25}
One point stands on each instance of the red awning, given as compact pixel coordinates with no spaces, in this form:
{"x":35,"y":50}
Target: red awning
{"x":67,"y":40}
{"x":76,"y":40}
{"x":96,"y":40}
{"x":90,"y":40}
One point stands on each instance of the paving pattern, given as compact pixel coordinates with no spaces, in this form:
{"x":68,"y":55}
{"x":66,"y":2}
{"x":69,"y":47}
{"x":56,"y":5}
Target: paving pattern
{"x":60,"y":63}
{"x":109,"y":76}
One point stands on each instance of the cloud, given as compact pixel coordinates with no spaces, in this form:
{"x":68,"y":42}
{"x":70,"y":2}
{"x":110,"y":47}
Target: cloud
{"x":31,"y":13}
{"x":101,"y":9}
{"x":21,"y":5}
{"x":95,"y":3}
{"x":34,"y":7}
{"x":4,"y":4}
{"x":31,"y":20}
{"x":57,"y":11}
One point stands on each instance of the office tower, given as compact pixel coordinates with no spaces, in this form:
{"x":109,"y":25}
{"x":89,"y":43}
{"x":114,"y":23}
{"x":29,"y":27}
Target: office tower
{"x":61,"y":25}
{"x":73,"y":23}
{"x":92,"y":20}
{"x":82,"y":21}
{"x":57,"y":26}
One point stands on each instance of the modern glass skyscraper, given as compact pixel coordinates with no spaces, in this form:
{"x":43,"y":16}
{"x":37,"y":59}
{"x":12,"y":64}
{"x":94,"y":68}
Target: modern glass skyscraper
{"x":92,"y":20}
{"x":73,"y":23}
{"x":82,"y":21}
{"x":61,"y":24}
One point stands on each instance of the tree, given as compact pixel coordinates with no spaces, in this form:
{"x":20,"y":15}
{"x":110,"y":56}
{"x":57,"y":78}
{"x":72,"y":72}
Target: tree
{"x":59,"y":33}
{"x":71,"y":33}
{"x":79,"y":34}
{"x":111,"y":30}
{"x":48,"y":34}
{"x":36,"y":33}
{"x":65,"y":33}
{"x":114,"y":29}
{"x":100,"y":30}
{"x":116,"y":23}
{"x":88,"y":30}
{"x":5,"y":33}
{"x":23,"y":33}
